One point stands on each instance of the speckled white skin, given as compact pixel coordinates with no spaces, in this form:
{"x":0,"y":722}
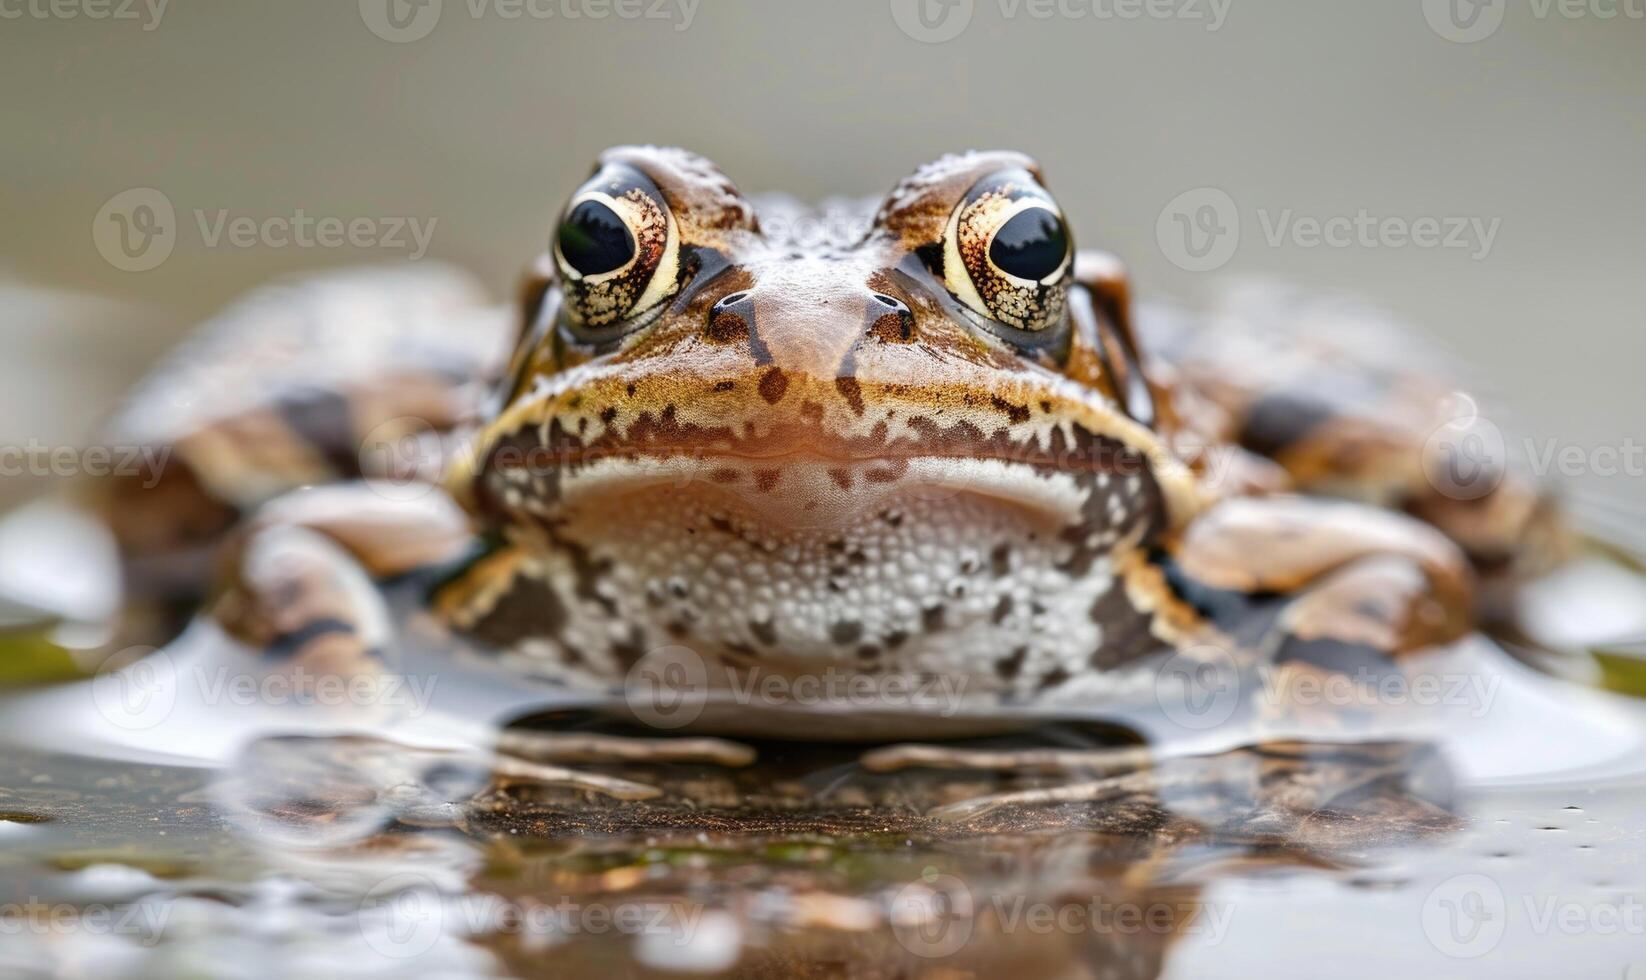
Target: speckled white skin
{"x":959,"y":568}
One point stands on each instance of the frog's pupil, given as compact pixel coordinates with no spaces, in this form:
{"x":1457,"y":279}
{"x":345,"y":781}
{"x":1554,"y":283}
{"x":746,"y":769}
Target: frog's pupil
{"x":593,"y":239}
{"x":1031,"y":245}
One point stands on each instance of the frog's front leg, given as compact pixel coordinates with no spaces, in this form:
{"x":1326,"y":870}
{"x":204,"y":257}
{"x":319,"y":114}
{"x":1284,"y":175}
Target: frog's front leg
{"x":301,"y":597}
{"x":1349,"y":581}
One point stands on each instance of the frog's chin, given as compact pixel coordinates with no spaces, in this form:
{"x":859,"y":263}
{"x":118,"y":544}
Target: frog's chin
{"x":802,"y":493}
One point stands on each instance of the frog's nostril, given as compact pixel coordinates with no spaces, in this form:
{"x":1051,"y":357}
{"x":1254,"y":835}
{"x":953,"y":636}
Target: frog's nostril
{"x":731,"y":319}
{"x":890,"y":319}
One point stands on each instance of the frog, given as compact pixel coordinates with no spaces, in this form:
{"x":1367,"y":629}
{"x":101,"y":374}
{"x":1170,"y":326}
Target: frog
{"x":721,"y":441}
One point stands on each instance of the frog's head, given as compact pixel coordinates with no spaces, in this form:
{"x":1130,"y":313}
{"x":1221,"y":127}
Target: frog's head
{"x":920,"y":443}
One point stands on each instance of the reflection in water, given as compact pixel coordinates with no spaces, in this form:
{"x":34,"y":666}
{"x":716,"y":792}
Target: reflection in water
{"x":1455,"y":839}
{"x":296,"y":856}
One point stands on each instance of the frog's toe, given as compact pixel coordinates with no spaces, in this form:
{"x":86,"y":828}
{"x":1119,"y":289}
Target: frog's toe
{"x":1087,"y":791}
{"x":892,"y":758}
{"x":557,"y":747}
{"x":507,"y":770}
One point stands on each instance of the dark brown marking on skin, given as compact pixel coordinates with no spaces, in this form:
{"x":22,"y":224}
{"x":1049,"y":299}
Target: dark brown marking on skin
{"x":895,"y":639}
{"x":588,"y":570}
{"x":721,"y":524}
{"x":1281,"y":419}
{"x":846,"y":632}
{"x":1017,"y":414}
{"x":765,"y":480}
{"x":1000,"y":560}
{"x":529,"y":608}
{"x":811,"y":411}
{"x":852,"y":391}
{"x":289,"y":644}
{"x":1002,"y":609}
{"x":726,"y":328}
{"x":630,"y":389}
{"x":868,"y":651}
{"x":1045,"y":406}
{"x":725,"y":386}
{"x":764,"y":630}
{"x":1009,"y":668}
{"x":890,"y":472}
{"x":841,"y":477}
{"x":773,"y":384}
{"x":892,"y":328}
{"x":608,"y":415}
{"x":725,"y":474}
{"x":1084,"y":556}
{"x":1053,"y":678}
{"x":323,"y":419}
{"x":931,"y":618}
{"x":1126,"y":633}
{"x":630,"y":649}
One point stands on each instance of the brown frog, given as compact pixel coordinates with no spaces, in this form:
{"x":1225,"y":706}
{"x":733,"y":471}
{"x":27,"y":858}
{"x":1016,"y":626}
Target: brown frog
{"x":927,"y":442}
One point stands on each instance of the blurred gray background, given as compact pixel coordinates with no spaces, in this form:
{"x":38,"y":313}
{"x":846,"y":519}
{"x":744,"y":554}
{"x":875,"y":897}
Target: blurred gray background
{"x":1510,"y":112}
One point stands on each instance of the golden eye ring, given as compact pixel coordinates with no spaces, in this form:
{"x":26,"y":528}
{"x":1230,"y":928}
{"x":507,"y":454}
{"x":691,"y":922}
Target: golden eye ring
{"x":1008,"y":254}
{"x":617,"y":249}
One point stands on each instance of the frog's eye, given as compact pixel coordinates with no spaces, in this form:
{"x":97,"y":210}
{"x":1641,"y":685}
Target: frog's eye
{"x":617,"y":249}
{"x":1007,"y":252}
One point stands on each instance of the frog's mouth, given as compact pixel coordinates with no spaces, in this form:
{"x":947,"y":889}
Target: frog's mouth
{"x":797,"y":481}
